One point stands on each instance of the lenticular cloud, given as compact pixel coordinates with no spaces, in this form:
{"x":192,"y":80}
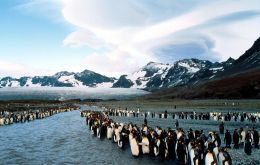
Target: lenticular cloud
{"x":137,"y":32}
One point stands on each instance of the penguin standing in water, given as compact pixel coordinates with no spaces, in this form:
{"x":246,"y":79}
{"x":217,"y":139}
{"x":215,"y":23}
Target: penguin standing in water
{"x":221,"y":128}
{"x":236,"y":139}
{"x":248,"y":141}
{"x":177,"y":124}
{"x":102,"y":131}
{"x":145,"y":121}
{"x":242,"y":136}
{"x":256,"y":138}
{"x":227,"y":139}
{"x":165,"y":114}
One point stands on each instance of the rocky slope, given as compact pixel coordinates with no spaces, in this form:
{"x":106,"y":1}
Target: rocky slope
{"x":183,"y":72}
{"x":239,"y":79}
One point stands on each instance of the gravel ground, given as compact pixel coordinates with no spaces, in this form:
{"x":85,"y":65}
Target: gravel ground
{"x":238,"y":155}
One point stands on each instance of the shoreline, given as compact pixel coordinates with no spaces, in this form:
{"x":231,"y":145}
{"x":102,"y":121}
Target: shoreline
{"x":249,"y":105}
{"x":183,"y":105}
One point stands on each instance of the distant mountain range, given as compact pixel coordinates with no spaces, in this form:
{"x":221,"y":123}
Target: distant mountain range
{"x":153,"y":76}
{"x":183,"y":72}
{"x":86,"y":78}
{"x":238,"y":79}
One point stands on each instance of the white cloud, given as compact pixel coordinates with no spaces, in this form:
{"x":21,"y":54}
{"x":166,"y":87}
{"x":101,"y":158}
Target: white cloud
{"x":114,"y":63}
{"x":15,"y":69}
{"x":50,"y":9}
{"x":131,"y":31}
{"x":83,"y":38}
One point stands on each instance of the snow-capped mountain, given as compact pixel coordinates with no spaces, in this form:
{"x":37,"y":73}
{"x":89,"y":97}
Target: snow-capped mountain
{"x":61,"y":79}
{"x":183,"y":72}
{"x":142,"y":77}
{"x":151,"y":76}
{"x":232,"y":79}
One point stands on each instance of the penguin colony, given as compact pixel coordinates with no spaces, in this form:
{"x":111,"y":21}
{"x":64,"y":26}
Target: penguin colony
{"x":241,"y":137}
{"x":7,"y":117}
{"x":216,"y":116}
{"x":191,"y":147}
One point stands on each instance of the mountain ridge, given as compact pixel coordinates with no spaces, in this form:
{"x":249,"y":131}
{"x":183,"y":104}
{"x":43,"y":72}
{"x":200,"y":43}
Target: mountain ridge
{"x":153,"y":76}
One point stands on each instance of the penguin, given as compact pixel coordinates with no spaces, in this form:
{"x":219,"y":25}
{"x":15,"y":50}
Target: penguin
{"x":179,"y":134}
{"x":121,"y":141}
{"x":156,"y":147}
{"x":134,"y":145}
{"x":227,"y":139}
{"x":11,"y":120}
{"x":145,"y":129}
{"x":190,"y":145}
{"x":171,"y":141}
{"x":109,"y":132}
{"x":145,"y":145}
{"x":2,"y":121}
{"x":193,"y":156}
{"x":98,"y":132}
{"x":30,"y":117}
{"x":87,"y":120}
{"x":93,"y":130}
{"x":6,"y":121}
{"x":116,"y":135}
{"x":120,"y":127}
{"x":102,"y":131}
{"x":242,"y":136}
{"x":247,"y":145}
{"x":224,"y":158}
{"x":158,"y":130}
{"x":216,"y":152}
{"x":236,"y":139}
{"x":210,"y":159}
{"x":181,"y":151}
{"x":163,"y":149}
{"x":256,"y":138}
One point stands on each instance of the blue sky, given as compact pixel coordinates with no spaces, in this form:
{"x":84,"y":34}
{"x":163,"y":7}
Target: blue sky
{"x":41,"y":37}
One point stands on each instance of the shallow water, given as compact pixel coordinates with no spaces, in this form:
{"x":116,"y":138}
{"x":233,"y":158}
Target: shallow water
{"x":65,"y":139}
{"x":60,"y":139}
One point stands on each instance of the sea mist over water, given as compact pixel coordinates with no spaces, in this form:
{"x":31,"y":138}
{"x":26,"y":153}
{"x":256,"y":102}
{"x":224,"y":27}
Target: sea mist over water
{"x":65,"y":93}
